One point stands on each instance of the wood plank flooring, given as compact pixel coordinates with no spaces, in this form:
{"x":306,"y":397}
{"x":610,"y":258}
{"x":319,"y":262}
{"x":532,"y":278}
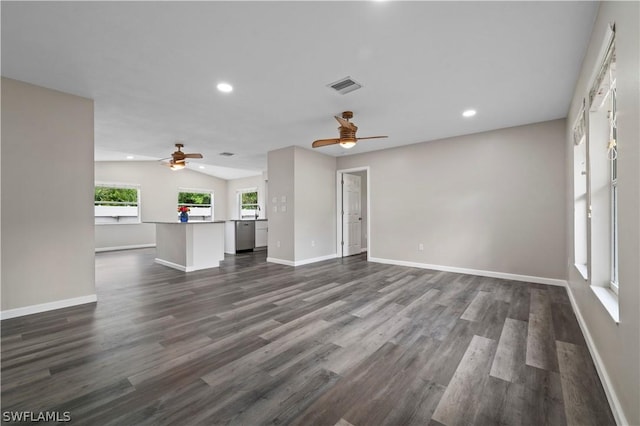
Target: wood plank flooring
{"x":342,"y":342}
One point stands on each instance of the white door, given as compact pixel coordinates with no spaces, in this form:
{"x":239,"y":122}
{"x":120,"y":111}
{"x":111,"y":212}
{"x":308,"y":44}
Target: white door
{"x":351,"y":215}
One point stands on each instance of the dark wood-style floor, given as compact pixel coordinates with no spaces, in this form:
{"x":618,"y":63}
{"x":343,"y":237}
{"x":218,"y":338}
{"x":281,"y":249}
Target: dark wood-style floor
{"x":334,"y":343}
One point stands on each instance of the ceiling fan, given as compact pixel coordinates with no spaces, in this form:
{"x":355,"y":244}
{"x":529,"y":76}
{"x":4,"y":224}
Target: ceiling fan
{"x":178,"y":158}
{"x":347,"y":137}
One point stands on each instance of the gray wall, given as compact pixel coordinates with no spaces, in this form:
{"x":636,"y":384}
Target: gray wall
{"x":492,"y":201}
{"x":306,"y":229}
{"x":159,"y":187}
{"x":315,"y":204}
{"x":281,"y":223}
{"x":47,"y":196}
{"x":616,"y":347}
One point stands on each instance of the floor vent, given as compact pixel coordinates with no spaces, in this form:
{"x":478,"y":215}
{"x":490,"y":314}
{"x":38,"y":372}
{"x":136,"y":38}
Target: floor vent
{"x":227,"y":154}
{"x":345,"y":85}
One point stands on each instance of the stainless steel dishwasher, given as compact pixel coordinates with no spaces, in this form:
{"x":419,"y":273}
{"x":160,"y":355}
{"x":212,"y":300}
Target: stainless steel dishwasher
{"x":245,"y":235}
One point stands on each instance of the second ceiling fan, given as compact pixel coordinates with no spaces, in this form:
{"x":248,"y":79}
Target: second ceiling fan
{"x":347,"y":137}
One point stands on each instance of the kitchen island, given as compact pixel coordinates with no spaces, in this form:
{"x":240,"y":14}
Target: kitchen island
{"x":189,"y":246}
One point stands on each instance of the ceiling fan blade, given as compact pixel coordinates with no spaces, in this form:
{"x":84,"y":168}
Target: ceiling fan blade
{"x":193,"y":155}
{"x":345,"y":123}
{"x":372,"y":137}
{"x":325,"y":142}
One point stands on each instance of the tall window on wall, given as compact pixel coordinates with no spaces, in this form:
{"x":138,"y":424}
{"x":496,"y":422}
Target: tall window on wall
{"x":248,"y":203}
{"x":603,"y":165}
{"x":581,"y":202}
{"x":116,"y":203}
{"x":199,"y":202}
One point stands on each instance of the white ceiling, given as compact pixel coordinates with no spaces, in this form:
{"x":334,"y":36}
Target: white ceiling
{"x":152,"y":68}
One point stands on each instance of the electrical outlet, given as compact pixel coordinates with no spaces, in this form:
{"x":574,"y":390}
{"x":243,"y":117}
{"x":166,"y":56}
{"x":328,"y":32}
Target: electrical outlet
{"x":277,"y":243}
{"x":313,"y":243}
{"x":421,"y":247}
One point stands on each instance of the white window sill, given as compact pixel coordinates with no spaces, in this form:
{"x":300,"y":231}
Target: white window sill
{"x":609,"y":300}
{"x":583,"y":270}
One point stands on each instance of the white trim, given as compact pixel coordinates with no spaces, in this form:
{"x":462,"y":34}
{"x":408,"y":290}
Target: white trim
{"x":314,"y":259}
{"x":582,"y":269}
{"x":182,"y":267}
{"x":131,"y":247}
{"x":609,"y":300}
{"x":280,"y":261}
{"x":479,"y":272}
{"x":301,"y":262}
{"x":50,"y":306}
{"x":609,"y":390}
{"x":363,"y":249}
{"x":171,"y":265}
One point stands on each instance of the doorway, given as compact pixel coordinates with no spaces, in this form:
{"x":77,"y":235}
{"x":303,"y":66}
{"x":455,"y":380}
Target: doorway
{"x":353,"y":212}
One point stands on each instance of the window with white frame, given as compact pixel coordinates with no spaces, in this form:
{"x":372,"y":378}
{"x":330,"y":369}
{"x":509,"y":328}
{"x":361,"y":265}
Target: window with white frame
{"x":116,"y":203}
{"x":612,"y":156}
{"x":580,"y":193}
{"x":248,"y":203}
{"x":199,"y":202}
{"x":602,"y":159}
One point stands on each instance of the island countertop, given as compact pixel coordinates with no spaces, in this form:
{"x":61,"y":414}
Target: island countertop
{"x":191,"y":222}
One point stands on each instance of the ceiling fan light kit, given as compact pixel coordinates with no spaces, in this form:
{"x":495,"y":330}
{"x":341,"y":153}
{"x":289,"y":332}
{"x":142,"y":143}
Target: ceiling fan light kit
{"x":347,"y":138}
{"x":178,"y":158}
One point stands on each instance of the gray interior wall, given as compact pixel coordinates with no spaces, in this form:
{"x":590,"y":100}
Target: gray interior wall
{"x":315,"y":204}
{"x":492,"y":201}
{"x":47,"y":193}
{"x":617,"y":345}
{"x":281,"y":204}
{"x":159,"y":187}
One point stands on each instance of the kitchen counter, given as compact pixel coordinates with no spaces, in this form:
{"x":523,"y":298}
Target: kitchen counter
{"x":190,"y":246}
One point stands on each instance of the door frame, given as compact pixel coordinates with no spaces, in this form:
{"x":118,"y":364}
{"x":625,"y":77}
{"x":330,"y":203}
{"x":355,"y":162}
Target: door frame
{"x":339,"y":174}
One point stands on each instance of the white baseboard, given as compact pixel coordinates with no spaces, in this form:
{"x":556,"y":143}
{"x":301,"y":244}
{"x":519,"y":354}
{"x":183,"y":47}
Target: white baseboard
{"x":301,"y":262}
{"x":479,"y":272}
{"x":363,"y":250}
{"x":44,"y":307}
{"x":171,"y":264}
{"x":614,"y":402}
{"x":135,"y":246}
{"x":280,"y":261}
{"x":182,"y":267}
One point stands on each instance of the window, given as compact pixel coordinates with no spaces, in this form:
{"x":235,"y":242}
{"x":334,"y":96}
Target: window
{"x":199,"y":202}
{"x":602,"y":160}
{"x":580,"y":194}
{"x":248,"y":202}
{"x":612,"y":155}
{"x":116,"y":203}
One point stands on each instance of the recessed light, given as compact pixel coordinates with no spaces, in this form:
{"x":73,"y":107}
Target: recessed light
{"x":225,"y":87}
{"x":130,"y":157}
{"x":201,"y":167}
{"x":469,"y":113}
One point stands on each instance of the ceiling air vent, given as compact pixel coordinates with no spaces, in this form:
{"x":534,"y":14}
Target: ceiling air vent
{"x":345,"y":85}
{"x":227,"y":154}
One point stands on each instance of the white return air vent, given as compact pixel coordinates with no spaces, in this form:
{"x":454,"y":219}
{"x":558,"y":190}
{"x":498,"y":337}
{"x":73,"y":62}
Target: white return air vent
{"x":345,"y":85}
